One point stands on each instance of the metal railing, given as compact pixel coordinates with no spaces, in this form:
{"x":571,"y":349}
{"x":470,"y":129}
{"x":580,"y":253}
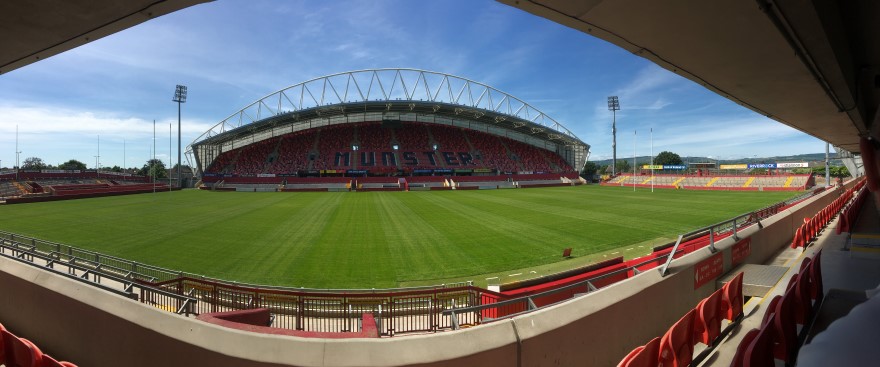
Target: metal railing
{"x":98,"y":277}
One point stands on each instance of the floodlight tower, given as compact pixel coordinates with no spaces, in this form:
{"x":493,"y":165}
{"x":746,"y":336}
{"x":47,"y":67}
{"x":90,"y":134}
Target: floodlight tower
{"x":613,"y":106}
{"x":179,"y":97}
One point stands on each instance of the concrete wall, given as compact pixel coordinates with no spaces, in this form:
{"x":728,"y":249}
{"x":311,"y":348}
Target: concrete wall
{"x":90,"y":327}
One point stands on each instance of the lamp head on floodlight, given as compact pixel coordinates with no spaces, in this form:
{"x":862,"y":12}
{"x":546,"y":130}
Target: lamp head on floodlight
{"x":180,"y":94}
{"x":613,"y":104}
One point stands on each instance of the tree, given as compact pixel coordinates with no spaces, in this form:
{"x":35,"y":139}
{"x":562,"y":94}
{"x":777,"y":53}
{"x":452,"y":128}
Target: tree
{"x":668,"y":158}
{"x":72,"y":165}
{"x":839,"y":171}
{"x":623,"y":166}
{"x":154,"y":168}
{"x":589,"y":171}
{"x":33,"y":163}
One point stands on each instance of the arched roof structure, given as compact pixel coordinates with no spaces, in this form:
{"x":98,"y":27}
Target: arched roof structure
{"x":388,"y":94}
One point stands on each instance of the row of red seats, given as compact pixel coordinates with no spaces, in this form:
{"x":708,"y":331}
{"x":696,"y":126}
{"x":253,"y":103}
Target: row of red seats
{"x":293,"y":153}
{"x":778,"y":337}
{"x":699,"y":325}
{"x":20,"y":352}
{"x":851,"y":213}
{"x":494,"y":152}
{"x":812,"y":226}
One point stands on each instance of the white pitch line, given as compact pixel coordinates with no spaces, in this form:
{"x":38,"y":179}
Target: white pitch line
{"x":513,"y":275}
{"x":615,"y":252}
{"x":629,"y":249}
{"x":534,"y":272}
{"x":492,"y":278}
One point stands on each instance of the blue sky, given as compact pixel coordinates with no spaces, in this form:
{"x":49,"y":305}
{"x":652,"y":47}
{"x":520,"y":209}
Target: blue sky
{"x":231,"y":53}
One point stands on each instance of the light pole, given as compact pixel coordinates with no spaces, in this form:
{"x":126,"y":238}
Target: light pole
{"x":17,"y":153}
{"x":179,"y":97}
{"x":613,"y":106}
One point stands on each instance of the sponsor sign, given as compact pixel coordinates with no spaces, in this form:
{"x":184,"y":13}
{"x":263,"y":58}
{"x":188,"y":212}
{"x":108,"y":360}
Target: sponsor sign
{"x":675,"y":166}
{"x":733,"y":166}
{"x":356,"y":172}
{"x":329,"y":171}
{"x":464,"y":171}
{"x":740,"y":251}
{"x":443,"y":170}
{"x":422,"y":171}
{"x":792,"y":165}
{"x":482,"y":170}
{"x":762,"y":165}
{"x":708,"y":270}
{"x":652,"y":166}
{"x":265,"y":175}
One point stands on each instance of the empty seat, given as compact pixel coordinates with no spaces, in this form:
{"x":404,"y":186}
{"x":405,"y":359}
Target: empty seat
{"x":785,"y":329}
{"x":645,"y":355}
{"x":771,"y":310}
{"x":741,"y":348}
{"x":707,"y":325}
{"x":21,"y":353}
{"x":815,"y":271}
{"x":677,"y":345}
{"x":803,"y":304}
{"x":52,"y":362}
{"x":759,"y":352}
{"x":732,"y":298}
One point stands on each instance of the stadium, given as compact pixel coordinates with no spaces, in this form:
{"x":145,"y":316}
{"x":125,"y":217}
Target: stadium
{"x":383,"y":124}
{"x":709,"y":270}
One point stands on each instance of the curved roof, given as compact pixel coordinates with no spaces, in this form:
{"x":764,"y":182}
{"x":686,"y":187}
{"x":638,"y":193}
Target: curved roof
{"x":395,"y":89}
{"x":34,"y":30}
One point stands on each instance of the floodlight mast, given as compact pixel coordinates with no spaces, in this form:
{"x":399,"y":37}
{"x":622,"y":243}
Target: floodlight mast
{"x":179,"y":97}
{"x":613,"y":106}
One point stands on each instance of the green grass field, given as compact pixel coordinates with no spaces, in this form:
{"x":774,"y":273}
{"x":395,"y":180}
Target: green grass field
{"x":378,"y":239}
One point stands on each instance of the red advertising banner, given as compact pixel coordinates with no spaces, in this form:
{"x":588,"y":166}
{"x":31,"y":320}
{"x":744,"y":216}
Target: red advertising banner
{"x":708,"y":270}
{"x":740,"y":251}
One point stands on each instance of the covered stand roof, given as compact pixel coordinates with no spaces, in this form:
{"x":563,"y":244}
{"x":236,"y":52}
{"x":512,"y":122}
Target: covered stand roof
{"x":810,"y":65}
{"x":34,"y":30}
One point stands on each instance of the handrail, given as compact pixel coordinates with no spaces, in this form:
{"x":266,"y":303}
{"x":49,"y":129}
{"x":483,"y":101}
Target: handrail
{"x":187,"y":303}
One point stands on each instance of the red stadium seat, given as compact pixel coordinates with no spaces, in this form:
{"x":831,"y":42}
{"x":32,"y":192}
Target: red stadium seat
{"x":51,"y":362}
{"x":2,"y":343}
{"x":784,"y":328}
{"x":677,"y":345}
{"x":759,"y":352}
{"x":707,"y":325}
{"x":22,"y":353}
{"x":643,"y":356}
{"x":741,"y":349}
{"x":771,"y":310}
{"x":732,"y":298}
{"x":803,"y":305}
{"x":816,"y":291}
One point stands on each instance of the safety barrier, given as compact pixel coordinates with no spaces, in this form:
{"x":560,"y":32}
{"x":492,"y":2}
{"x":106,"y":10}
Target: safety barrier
{"x":94,"y":274}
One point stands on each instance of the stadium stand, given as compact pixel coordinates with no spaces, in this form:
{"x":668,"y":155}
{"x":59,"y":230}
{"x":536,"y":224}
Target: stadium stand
{"x":373,"y":148}
{"x":731,"y":183}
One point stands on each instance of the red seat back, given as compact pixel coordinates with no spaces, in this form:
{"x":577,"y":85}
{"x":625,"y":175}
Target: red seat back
{"x":816,"y":291}
{"x":771,"y":310}
{"x":732,"y":298}
{"x":51,"y":362}
{"x":22,"y":353}
{"x":677,"y":345}
{"x":741,"y":348}
{"x":707,"y":325}
{"x":643,"y":356}
{"x":784,"y":327}
{"x":803,"y":305}
{"x":759,"y":353}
